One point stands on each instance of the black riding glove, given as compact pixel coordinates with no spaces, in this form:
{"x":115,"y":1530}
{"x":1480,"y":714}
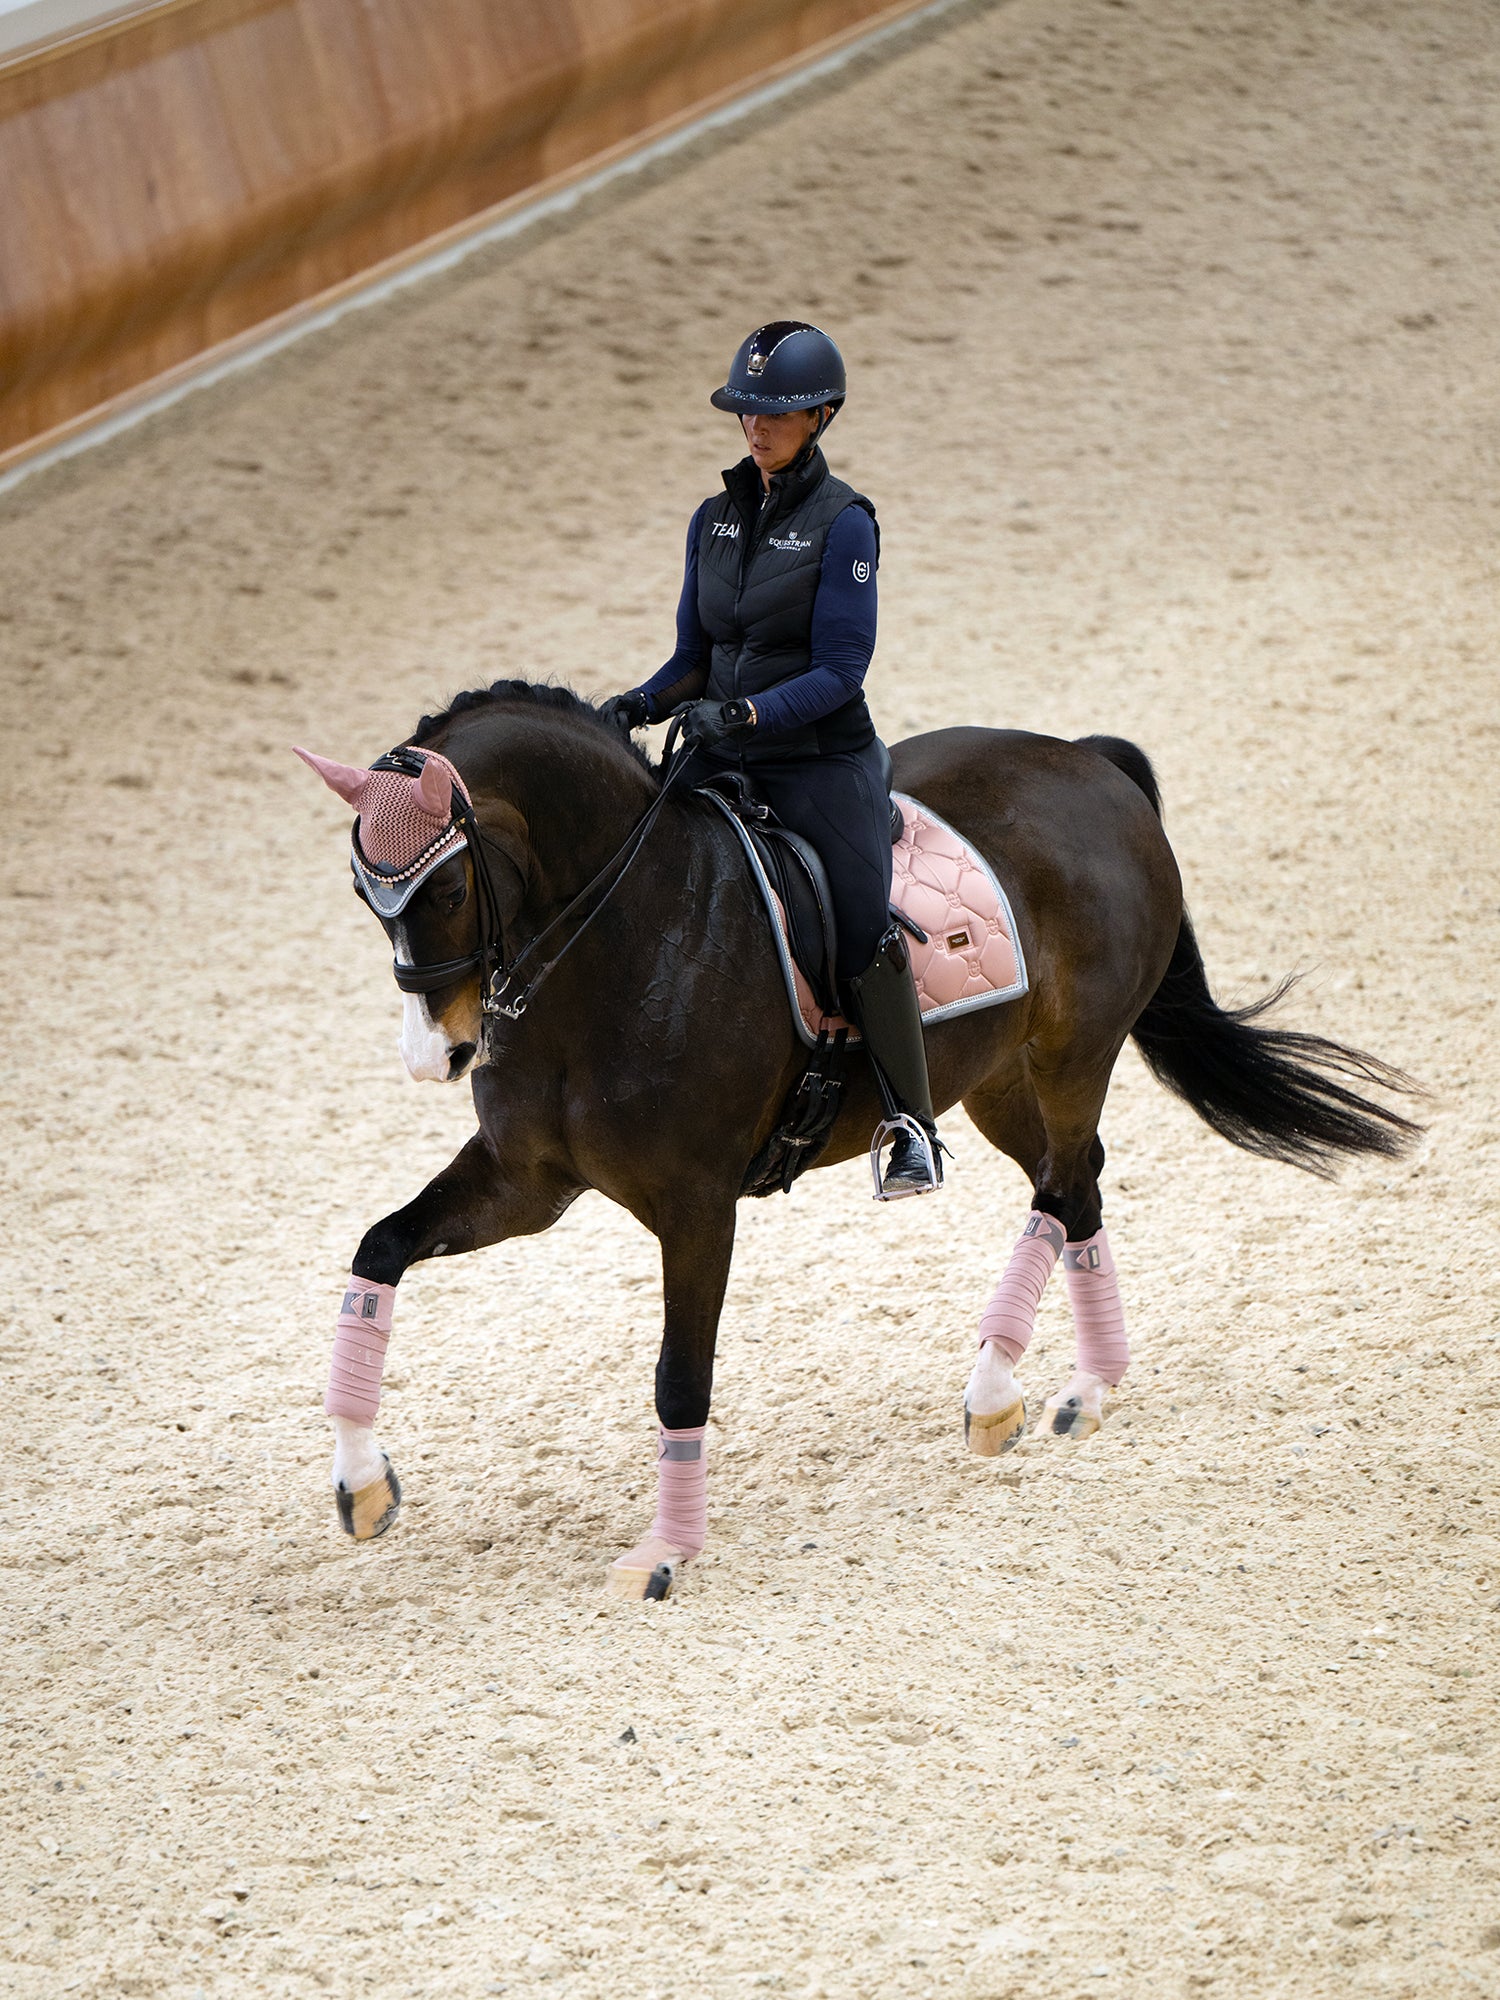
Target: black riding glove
{"x":708,"y":724}
{"x":627,"y":711}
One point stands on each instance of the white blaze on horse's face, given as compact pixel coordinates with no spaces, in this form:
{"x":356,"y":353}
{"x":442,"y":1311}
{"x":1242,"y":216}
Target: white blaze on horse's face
{"x":435,"y":1049}
{"x":425,"y":1048}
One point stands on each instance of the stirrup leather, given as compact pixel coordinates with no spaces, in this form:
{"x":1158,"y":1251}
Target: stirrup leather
{"x":913,"y":1127}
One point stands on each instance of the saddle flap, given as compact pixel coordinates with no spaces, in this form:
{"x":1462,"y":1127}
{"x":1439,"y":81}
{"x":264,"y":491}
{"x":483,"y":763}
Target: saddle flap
{"x":966,"y":951}
{"x":797,"y":875}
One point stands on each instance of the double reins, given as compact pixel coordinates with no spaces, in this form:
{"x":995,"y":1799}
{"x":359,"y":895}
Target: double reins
{"x":500,"y":994}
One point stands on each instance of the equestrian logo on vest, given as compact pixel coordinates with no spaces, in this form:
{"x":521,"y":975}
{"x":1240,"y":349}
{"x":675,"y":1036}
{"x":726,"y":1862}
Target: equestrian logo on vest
{"x":861,"y":572}
{"x":791,"y":540}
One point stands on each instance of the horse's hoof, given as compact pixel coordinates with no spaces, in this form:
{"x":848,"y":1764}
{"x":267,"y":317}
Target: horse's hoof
{"x":1069,"y":1417}
{"x":987,"y":1437}
{"x":638,"y":1586}
{"x":371,"y":1510}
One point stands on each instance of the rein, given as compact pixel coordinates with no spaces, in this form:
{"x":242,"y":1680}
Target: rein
{"x":499,"y":992}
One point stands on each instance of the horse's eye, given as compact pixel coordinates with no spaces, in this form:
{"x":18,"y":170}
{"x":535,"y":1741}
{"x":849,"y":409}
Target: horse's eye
{"x":458,"y":898}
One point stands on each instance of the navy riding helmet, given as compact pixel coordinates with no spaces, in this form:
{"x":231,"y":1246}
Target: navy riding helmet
{"x":785,"y":365}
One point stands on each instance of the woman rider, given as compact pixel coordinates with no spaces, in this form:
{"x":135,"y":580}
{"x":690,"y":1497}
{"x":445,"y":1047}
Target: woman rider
{"x":775,"y":630}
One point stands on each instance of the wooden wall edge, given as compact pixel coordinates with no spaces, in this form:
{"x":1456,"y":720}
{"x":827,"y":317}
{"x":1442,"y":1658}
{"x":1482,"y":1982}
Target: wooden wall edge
{"x":94,"y":397}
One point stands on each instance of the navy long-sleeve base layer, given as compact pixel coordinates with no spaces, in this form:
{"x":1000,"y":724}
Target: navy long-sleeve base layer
{"x":843,"y":634}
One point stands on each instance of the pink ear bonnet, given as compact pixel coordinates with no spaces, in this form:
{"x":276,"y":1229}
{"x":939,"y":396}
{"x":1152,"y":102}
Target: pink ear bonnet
{"x":405,"y":827}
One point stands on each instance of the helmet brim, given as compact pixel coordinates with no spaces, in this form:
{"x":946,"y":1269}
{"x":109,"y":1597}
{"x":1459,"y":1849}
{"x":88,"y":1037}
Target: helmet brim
{"x":745,"y":403}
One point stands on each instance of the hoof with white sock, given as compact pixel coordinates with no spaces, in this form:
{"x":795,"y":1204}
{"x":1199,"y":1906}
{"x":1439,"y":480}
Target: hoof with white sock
{"x":1076,"y":1411}
{"x":367,"y":1511}
{"x":647,"y":1573}
{"x":681,"y":1523}
{"x":989,"y":1436}
{"x":994,"y":1407}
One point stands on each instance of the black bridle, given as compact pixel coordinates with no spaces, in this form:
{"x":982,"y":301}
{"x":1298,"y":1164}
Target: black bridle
{"x":499,"y":993}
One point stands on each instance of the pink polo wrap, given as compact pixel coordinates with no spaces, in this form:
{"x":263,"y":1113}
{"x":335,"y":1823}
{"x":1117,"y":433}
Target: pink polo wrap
{"x":682,"y":1489}
{"x":1010,"y":1316}
{"x":1098,"y":1314}
{"x":359,"y":1343}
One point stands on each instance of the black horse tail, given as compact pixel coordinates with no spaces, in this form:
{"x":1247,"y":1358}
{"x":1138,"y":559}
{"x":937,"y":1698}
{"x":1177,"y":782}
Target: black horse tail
{"x":1272,"y":1091}
{"x":1129,"y":758}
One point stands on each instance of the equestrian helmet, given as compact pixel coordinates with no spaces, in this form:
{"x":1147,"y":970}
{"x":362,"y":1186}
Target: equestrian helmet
{"x":784,"y":365}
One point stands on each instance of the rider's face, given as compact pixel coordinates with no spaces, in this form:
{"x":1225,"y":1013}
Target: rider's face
{"x":775,"y":441}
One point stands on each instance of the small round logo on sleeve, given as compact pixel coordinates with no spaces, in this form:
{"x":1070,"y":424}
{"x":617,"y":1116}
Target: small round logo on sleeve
{"x":861,"y":572}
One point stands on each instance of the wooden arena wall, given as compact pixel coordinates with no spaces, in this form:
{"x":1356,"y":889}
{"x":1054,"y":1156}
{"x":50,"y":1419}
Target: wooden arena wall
{"x":181,"y":174}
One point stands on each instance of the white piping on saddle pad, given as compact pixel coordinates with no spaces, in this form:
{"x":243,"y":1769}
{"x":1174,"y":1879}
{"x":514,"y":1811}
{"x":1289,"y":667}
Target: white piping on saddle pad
{"x":967,"y":1004}
{"x":1021,"y":983}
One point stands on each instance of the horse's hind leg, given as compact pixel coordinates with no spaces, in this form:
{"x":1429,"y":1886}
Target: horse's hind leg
{"x":1068,"y":1187}
{"x":1005,"y":1110}
{"x":1048,"y":1124}
{"x":469,"y":1204}
{"x":1103,"y":1354}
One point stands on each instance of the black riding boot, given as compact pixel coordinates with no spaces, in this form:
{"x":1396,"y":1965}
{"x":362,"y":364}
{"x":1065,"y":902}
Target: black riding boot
{"x":883,"y":1004}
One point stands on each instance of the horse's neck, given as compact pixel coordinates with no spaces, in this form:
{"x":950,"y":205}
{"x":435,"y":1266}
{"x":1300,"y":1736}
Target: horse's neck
{"x":579,"y":799}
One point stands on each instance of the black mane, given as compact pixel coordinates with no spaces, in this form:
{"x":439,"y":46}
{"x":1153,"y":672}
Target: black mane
{"x":529,"y":694}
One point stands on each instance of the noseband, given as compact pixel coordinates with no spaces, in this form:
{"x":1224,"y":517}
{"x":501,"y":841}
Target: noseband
{"x":497,"y":978}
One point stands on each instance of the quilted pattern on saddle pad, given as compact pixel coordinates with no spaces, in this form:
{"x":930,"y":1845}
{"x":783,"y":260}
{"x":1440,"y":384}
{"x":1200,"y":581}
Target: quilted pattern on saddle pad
{"x":972,"y":957}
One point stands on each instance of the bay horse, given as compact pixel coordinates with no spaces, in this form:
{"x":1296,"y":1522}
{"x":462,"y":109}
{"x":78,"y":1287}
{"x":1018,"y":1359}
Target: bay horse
{"x":653,"y":1061}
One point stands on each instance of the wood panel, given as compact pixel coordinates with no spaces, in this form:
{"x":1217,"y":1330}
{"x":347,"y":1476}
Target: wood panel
{"x":199,"y":167}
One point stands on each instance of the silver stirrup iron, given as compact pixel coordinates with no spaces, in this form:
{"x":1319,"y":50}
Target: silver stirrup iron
{"x":916,"y":1130}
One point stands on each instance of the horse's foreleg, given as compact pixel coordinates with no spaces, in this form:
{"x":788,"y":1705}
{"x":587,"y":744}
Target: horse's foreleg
{"x":695,"y":1255}
{"x":465,"y":1207}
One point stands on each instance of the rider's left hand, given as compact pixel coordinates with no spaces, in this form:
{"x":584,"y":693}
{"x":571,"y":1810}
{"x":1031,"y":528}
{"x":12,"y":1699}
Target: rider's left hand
{"x":707,"y":724}
{"x":627,"y":711}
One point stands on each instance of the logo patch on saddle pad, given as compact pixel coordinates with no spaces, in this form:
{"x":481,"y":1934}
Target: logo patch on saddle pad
{"x":972,"y":957}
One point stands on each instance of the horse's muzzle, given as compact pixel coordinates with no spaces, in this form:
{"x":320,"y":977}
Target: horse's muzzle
{"x":459,"y":1059}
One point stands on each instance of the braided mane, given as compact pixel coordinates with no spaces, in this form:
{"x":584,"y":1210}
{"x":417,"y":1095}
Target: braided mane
{"x":562,"y":701}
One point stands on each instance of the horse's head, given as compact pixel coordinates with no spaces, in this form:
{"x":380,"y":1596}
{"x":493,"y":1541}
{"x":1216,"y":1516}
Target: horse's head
{"x":413,"y":851}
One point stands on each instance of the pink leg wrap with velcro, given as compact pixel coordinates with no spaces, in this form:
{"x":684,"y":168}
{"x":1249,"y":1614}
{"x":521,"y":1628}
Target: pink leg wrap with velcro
{"x":1009,"y":1317}
{"x":359,"y":1344}
{"x":682,"y":1489}
{"x":1098,"y":1315}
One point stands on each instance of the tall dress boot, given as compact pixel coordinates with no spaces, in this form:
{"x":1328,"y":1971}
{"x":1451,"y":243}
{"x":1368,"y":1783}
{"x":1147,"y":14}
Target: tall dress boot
{"x":883,"y":1004}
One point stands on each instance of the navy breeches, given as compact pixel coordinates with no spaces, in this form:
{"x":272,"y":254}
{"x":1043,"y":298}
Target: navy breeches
{"x":839,"y":804}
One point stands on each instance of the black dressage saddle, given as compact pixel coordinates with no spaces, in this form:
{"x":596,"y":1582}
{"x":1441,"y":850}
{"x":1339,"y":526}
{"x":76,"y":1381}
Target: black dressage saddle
{"x":796,"y":873}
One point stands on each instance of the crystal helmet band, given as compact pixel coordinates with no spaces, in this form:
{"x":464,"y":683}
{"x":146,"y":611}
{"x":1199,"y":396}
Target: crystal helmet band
{"x":784,"y":365}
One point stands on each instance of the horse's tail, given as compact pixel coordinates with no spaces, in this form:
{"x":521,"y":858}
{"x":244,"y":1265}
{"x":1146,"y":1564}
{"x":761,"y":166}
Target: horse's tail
{"x":1129,"y":758}
{"x":1272,"y":1091}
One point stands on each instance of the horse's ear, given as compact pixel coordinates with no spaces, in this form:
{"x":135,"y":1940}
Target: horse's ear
{"x":345,"y":779}
{"x":433,"y":789}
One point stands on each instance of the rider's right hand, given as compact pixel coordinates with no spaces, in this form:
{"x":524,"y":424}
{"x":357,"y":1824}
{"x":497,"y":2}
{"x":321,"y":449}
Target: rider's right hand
{"x":627,"y":711}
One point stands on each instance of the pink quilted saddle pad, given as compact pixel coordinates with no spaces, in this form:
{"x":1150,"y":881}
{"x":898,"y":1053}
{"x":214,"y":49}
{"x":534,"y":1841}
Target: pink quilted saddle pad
{"x":972,"y":957}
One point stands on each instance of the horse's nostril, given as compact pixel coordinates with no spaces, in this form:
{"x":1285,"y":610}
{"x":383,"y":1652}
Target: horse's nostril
{"x":460,"y":1058}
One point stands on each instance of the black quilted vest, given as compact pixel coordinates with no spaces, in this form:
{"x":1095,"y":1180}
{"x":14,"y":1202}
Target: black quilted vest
{"x":758,"y":569}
